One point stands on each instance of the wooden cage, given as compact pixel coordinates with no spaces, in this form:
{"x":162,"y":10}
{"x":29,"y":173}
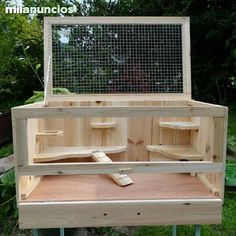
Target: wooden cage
{"x":119,"y":158}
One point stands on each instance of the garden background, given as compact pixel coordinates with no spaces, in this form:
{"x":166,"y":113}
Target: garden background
{"x":213,"y":58}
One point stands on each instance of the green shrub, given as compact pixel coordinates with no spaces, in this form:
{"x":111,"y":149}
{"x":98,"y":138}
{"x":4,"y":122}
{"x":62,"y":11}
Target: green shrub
{"x":6,"y":150}
{"x":39,"y":95}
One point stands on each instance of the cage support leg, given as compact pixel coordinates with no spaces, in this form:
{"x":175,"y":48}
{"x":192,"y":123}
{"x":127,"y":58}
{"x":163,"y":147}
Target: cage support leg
{"x":174,"y":230}
{"x":62,"y":232}
{"x":35,"y":232}
{"x":197,"y":230}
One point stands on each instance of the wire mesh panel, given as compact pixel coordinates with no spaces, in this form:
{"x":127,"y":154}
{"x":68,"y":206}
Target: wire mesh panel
{"x":117,"y":58}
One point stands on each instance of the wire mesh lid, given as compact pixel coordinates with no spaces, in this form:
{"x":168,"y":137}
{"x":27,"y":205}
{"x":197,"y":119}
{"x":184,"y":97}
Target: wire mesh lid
{"x":117,"y":55}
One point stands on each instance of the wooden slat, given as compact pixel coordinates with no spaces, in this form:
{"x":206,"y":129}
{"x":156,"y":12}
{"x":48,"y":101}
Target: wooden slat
{"x":27,"y":184}
{"x":179,"y":125}
{"x":45,"y":133}
{"x":58,"y":153}
{"x":220,"y":146}
{"x":102,"y":125}
{"x":117,"y":20}
{"x":118,"y":97}
{"x":115,"y":167}
{"x":208,"y":184}
{"x":124,"y":111}
{"x":179,"y":152}
{"x":120,"y":179}
{"x":20,"y":141}
{"x":119,"y":213}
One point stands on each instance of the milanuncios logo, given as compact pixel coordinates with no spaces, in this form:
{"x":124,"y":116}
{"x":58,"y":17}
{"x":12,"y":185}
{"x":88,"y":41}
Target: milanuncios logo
{"x":40,"y":10}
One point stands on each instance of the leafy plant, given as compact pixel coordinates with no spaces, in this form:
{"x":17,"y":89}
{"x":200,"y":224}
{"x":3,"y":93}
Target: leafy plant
{"x":39,"y":95}
{"x":231,"y":144}
{"x":6,"y":150}
{"x":8,"y":194}
{"x":230,"y":175}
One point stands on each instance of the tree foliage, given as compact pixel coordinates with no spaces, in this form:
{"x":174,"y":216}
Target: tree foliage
{"x":21,"y":49}
{"x":213,"y":38}
{"x":213,"y":42}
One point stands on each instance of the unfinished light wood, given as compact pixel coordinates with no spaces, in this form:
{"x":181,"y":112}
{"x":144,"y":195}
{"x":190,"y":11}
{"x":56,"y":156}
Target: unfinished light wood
{"x":179,"y":125}
{"x":59,"y":153}
{"x":102,"y":125}
{"x":120,"y":179}
{"x":139,"y":130}
{"x":115,"y":167}
{"x":119,"y":111}
{"x":46,"y":133}
{"x":102,"y":188}
{"x":220,"y":146}
{"x":84,"y":192}
{"x":173,"y":136}
{"x":183,"y":21}
{"x":27,"y":185}
{"x":20,"y":140}
{"x":179,"y":152}
{"x":208,"y":184}
{"x":119,"y":213}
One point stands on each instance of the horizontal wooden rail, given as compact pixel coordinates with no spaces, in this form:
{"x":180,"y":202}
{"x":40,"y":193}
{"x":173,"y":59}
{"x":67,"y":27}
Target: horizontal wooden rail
{"x":109,"y":168}
{"x":120,"y":212}
{"x":118,"y":111}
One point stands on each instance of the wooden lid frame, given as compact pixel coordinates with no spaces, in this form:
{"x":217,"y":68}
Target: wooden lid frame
{"x":184,"y":21}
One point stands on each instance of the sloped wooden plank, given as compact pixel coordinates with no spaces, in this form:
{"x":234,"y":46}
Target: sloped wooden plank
{"x":120,"y":179}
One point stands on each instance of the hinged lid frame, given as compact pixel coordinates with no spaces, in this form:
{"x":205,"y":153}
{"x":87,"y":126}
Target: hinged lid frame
{"x":50,"y":21}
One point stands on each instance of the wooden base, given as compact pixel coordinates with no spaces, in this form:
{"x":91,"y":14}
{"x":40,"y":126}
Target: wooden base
{"x":102,"y":187}
{"x":95,"y":201}
{"x":119,"y":213}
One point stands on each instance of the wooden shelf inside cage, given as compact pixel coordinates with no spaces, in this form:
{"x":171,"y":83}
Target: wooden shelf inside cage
{"x":46,"y":133}
{"x":179,"y":125}
{"x":101,"y":187}
{"x":102,"y":125}
{"x":179,"y":152}
{"x":59,"y":153}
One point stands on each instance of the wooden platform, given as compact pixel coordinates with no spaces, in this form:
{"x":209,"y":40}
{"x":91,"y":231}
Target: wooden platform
{"x":59,"y":153}
{"x":179,"y":125}
{"x":102,"y":187}
{"x":179,"y":152}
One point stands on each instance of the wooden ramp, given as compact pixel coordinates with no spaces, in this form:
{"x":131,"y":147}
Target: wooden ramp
{"x":120,"y":179}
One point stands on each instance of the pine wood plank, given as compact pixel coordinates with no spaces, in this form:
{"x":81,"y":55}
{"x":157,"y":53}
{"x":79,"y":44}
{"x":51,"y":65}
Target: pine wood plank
{"x":101,"y":187}
{"x":58,"y":153}
{"x":119,"y":213}
{"x":45,"y":133}
{"x":180,"y":125}
{"x":179,"y":152}
{"x":117,"y":167}
{"x":102,"y":125}
{"x":120,"y":179}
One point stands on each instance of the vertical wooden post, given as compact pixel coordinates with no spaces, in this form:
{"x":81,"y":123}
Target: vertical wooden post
{"x":220,"y":142}
{"x":20,"y":141}
{"x":19,"y":129}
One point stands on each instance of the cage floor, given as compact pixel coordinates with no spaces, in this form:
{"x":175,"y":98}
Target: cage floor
{"x":102,"y":187}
